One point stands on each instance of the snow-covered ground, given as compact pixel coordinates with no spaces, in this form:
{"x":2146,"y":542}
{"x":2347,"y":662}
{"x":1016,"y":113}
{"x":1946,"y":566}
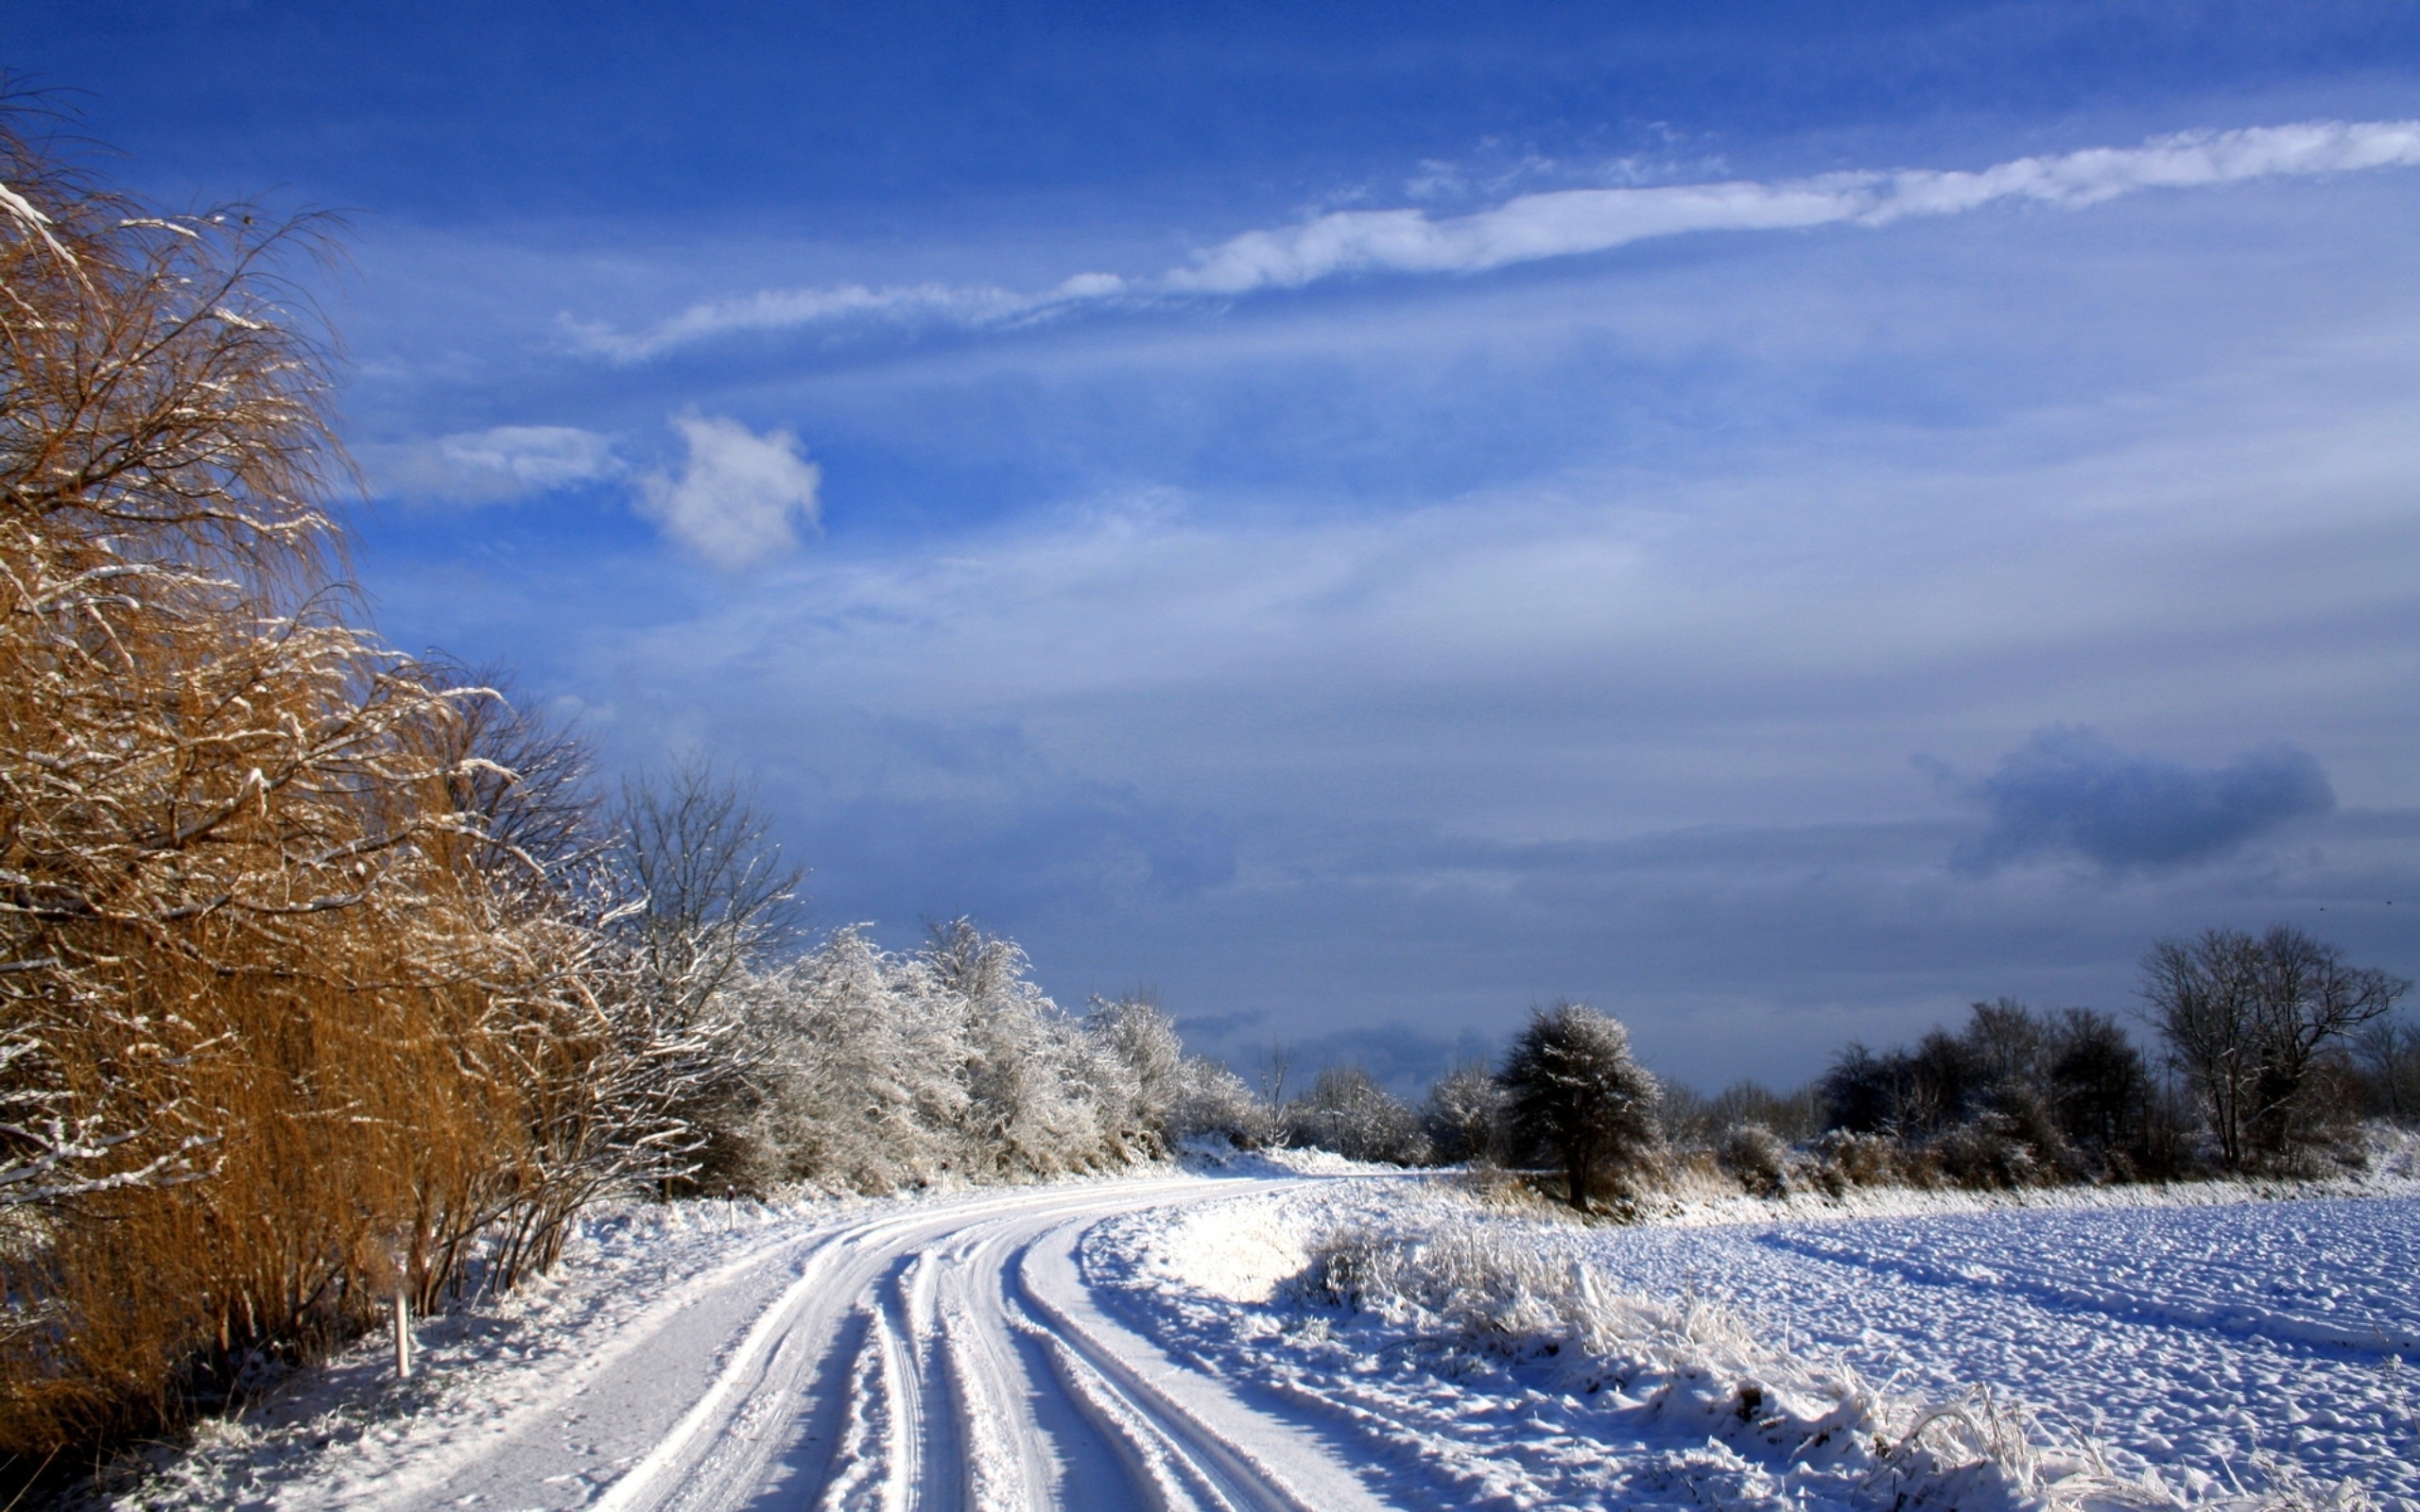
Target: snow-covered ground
{"x":936,"y":1352}
{"x":2186,"y":1351}
{"x":2198,"y":1338}
{"x":351,"y":1432}
{"x":1311,"y":1335}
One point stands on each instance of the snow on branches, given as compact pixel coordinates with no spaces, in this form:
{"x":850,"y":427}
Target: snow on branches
{"x":870,"y":1070}
{"x":287,"y":1015}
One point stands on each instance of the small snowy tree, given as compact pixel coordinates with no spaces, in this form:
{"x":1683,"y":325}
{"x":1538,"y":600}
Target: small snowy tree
{"x":1465,"y":1114}
{"x":714,"y":895}
{"x":1347,"y":1112}
{"x":1576,"y":1095}
{"x":710,"y":899}
{"x":1034,"y":1104}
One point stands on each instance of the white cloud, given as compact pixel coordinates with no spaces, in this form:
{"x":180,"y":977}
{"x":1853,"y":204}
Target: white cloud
{"x":1522,"y":229}
{"x":970,"y":308}
{"x":495,"y":466}
{"x":1572,"y":221}
{"x":739,"y":496}
{"x":1565,"y":223}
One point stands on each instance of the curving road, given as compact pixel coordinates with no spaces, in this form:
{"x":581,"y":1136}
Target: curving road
{"x":943,"y":1357}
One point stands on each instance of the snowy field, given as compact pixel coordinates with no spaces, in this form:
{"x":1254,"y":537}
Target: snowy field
{"x":2176,"y":1354}
{"x":2199,"y":1338}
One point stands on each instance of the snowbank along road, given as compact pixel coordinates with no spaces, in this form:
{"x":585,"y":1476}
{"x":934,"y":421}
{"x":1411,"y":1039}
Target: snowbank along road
{"x":941,"y":1355}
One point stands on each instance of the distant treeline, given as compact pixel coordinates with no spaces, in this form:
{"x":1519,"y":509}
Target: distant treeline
{"x":2272,"y":1050}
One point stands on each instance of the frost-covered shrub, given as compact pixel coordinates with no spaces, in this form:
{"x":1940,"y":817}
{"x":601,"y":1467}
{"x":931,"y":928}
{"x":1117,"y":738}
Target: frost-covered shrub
{"x":1844,"y":1160}
{"x":1347,"y":1112}
{"x":870,"y":1071}
{"x":1755,"y":1156}
{"x":1042,"y":1097}
{"x":863,"y":1063}
{"x":1986,"y":1155}
{"x":1213,"y":1101}
{"x":1465,"y":1117}
{"x":1170,"y":1096}
{"x":1140,"y":1041}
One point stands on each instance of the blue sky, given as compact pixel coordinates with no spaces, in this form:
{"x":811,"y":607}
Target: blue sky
{"x":1776,"y":520}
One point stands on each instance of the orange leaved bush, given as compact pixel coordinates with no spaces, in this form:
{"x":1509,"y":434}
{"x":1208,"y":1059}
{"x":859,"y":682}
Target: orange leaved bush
{"x":289,"y":1016}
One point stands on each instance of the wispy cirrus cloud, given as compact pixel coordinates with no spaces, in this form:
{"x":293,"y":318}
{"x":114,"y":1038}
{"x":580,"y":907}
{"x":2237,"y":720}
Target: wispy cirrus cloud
{"x":499,"y":465}
{"x":1560,"y":223}
{"x":965,"y":307}
{"x":1570,"y":223}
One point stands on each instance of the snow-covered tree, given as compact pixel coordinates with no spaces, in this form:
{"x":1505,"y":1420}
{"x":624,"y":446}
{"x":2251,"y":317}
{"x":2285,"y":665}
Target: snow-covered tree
{"x":1576,"y":1095}
{"x":1347,"y":1112}
{"x":1465,"y":1114}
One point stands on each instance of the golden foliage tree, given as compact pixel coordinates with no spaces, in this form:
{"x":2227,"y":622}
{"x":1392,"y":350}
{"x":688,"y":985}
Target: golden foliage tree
{"x":289,"y":1016}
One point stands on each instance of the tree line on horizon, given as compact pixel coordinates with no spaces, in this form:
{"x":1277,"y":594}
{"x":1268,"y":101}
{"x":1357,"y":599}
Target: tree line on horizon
{"x":2273,"y":1049}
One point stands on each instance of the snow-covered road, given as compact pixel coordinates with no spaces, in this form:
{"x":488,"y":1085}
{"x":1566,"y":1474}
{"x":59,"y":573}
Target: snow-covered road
{"x":944,"y":1354}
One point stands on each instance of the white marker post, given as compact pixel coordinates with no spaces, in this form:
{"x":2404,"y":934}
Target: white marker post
{"x":403,"y":1335}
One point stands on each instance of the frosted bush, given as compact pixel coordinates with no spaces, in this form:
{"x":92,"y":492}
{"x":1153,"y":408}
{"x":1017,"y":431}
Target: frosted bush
{"x":863,"y":1064}
{"x":1844,"y":1160}
{"x":1214,"y":1101}
{"x":871,"y":1071}
{"x":1465,"y":1115}
{"x":1987,"y":1153}
{"x":1039,"y":1100}
{"x":1755,"y":1156}
{"x":1347,"y":1112}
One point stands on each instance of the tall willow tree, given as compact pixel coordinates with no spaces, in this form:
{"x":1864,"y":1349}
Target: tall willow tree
{"x":289,"y":1016}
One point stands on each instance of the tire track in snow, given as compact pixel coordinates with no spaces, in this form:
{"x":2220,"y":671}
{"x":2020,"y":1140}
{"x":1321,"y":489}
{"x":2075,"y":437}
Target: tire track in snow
{"x":946,"y":1357}
{"x":986,"y":1384}
{"x":1193,"y":1456}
